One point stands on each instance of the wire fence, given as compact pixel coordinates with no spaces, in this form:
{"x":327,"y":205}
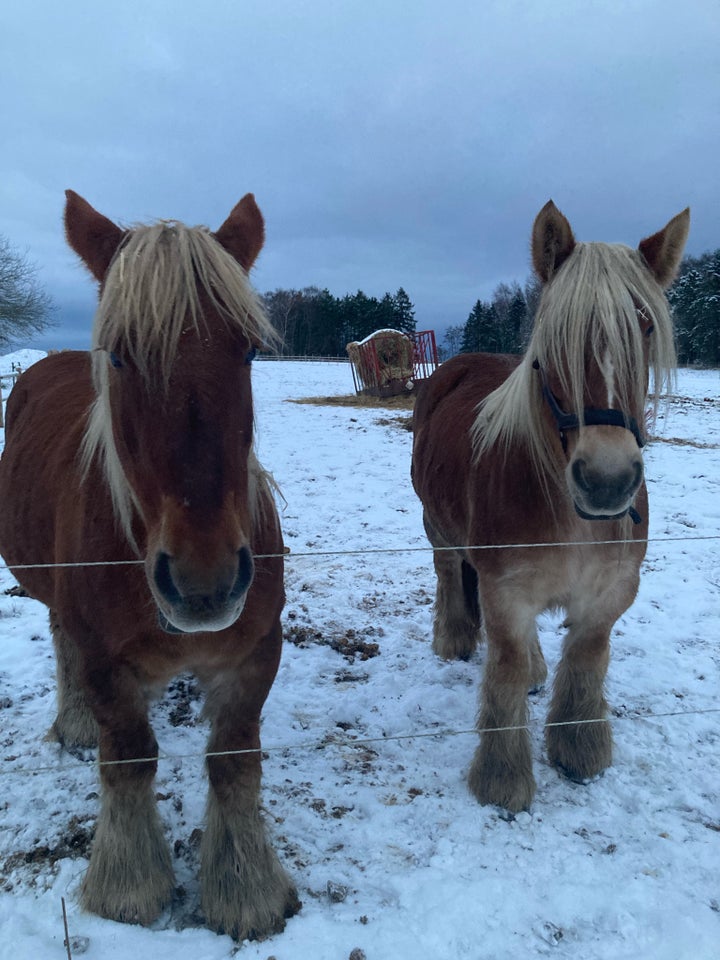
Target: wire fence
{"x":290,"y":554}
{"x":346,"y":742}
{"x":268,"y":356}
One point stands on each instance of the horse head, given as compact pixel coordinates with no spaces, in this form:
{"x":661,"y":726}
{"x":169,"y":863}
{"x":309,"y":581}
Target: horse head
{"x":602,"y":326}
{"x":176,"y":328}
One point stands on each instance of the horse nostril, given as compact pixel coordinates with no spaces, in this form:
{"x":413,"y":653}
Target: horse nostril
{"x":579,"y":473}
{"x":164,"y":579}
{"x":244,"y":572}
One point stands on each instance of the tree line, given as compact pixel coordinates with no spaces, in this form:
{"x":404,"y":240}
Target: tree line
{"x":499,"y":325}
{"x":695,"y":301}
{"x":314,"y":323}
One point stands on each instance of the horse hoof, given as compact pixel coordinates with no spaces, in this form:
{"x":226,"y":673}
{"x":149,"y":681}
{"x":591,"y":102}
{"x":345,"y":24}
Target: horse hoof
{"x":512,"y":792}
{"x":575,"y":777}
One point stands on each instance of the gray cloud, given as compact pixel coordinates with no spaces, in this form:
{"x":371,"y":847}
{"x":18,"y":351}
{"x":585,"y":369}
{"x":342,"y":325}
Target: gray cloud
{"x":387,"y":144}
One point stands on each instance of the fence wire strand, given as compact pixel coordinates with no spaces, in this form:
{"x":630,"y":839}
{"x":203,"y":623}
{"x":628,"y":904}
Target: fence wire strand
{"x":374,"y":551}
{"x":366,"y":741}
{"x":345,"y":742}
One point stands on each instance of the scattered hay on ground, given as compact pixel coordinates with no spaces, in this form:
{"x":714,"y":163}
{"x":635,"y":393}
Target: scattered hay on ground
{"x":402,"y":402}
{"x":682,"y":442}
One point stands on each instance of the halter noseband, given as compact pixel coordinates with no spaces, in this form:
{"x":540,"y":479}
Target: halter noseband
{"x":591,"y":418}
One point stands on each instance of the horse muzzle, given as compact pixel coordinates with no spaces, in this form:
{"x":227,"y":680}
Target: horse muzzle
{"x":198,"y":599}
{"x":604,"y":487}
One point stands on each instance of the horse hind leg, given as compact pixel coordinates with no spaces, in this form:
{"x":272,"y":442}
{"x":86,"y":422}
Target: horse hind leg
{"x":538,"y":667}
{"x":456,"y":626}
{"x":74,"y":726}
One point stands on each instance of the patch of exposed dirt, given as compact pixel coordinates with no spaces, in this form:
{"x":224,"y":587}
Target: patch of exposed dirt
{"x":405,"y":423}
{"x":16,"y":591}
{"x":350,"y":644}
{"x":183,"y":697}
{"x":74,"y":843}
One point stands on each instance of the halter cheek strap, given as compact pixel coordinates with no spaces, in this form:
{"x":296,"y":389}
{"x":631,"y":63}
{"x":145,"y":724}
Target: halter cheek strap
{"x":591,"y":418}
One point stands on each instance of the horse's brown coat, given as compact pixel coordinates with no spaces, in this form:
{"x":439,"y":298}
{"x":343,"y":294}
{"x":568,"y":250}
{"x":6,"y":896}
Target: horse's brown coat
{"x":168,"y":476}
{"x":490,"y":469}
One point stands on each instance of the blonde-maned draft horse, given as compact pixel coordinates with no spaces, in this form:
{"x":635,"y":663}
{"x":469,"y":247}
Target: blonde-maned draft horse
{"x":142,"y":450}
{"x":547,"y":449}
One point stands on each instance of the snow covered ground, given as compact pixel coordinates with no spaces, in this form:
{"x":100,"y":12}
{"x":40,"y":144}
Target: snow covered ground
{"x":391,"y":854}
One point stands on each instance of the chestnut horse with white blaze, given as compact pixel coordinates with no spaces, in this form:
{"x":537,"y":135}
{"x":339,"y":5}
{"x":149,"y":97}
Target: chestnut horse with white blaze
{"x":547,"y":449}
{"x":142,"y":451}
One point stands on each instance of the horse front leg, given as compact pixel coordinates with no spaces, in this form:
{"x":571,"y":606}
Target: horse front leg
{"x":578,"y":736}
{"x":245,"y":891}
{"x":130,"y":875}
{"x":501,"y":771}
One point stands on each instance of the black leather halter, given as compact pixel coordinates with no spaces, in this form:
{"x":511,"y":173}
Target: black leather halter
{"x":591,"y":418}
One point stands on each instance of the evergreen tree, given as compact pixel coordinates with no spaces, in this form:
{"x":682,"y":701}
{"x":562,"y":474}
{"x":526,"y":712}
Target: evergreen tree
{"x":360,"y":314}
{"x":684,"y":298}
{"x":385,"y":316}
{"x":480,"y":333}
{"x":518,"y":326}
{"x":511,"y":318}
{"x":695,"y":299}
{"x":325,"y":333}
{"x":404,"y":312}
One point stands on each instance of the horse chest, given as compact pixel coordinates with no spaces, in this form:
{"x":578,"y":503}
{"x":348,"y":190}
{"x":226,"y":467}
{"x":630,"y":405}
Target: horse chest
{"x":551,"y":578}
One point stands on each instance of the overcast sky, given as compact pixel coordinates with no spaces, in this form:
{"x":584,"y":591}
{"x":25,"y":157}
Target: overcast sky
{"x":388,"y":142}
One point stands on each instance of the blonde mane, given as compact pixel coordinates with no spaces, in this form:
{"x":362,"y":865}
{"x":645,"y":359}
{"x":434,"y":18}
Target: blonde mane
{"x":589,"y":310}
{"x":155,"y":287}
{"x":160,"y":283}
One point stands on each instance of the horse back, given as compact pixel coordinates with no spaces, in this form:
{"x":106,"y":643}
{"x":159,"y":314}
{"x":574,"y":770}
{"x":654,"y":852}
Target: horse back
{"x":462,"y":381}
{"x":445,"y":409}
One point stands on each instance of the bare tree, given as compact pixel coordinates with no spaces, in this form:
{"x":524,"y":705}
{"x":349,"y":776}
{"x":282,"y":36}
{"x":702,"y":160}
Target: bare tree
{"x":453,"y":339}
{"x":25,"y":308}
{"x":281,"y":307}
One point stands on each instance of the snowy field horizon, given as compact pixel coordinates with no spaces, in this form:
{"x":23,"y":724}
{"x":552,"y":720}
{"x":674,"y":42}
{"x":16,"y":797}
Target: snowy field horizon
{"x":368,"y":736}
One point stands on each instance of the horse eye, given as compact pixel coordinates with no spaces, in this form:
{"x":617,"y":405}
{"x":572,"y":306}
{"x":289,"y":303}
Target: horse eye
{"x":115,"y":360}
{"x":649,"y":329}
{"x":252,"y":353}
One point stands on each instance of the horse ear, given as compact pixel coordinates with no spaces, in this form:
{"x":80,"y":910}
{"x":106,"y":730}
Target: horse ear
{"x":552,"y":241}
{"x":92,"y":236}
{"x":243,"y":233}
{"x":663,"y":250}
